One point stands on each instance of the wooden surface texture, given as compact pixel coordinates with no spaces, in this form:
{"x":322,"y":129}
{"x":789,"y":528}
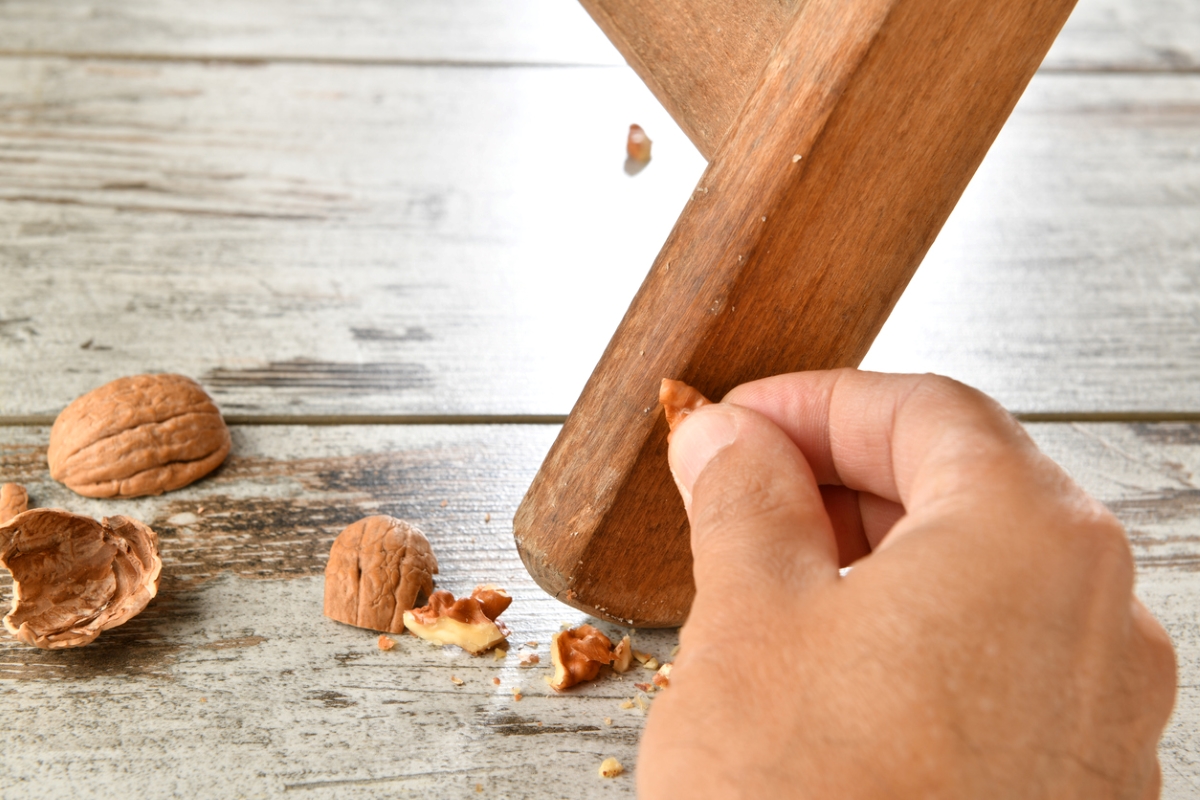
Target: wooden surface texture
{"x":365,"y":210}
{"x":233,"y":658}
{"x":867,"y":123}
{"x":320,"y":240}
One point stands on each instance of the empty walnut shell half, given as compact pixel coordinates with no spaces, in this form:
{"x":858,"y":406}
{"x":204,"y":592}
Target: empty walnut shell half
{"x":577,"y":655}
{"x":135,"y":436}
{"x":74,"y":577}
{"x":379,"y":567}
{"x":13,"y":500}
{"x":678,"y":400}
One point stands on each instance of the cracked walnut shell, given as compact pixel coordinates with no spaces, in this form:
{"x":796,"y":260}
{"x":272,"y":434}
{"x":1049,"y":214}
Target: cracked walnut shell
{"x":136,"y":436}
{"x":378,"y":568}
{"x":74,"y":577}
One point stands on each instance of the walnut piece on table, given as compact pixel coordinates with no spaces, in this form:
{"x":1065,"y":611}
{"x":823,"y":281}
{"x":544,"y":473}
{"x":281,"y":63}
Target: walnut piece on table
{"x":14,"y":500}
{"x":577,"y":655}
{"x":135,"y":436}
{"x":74,"y":577}
{"x":469,"y":622}
{"x":379,"y":567}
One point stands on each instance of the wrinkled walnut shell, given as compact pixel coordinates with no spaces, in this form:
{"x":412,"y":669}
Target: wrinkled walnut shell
{"x":14,"y":500}
{"x":135,"y":436}
{"x":74,"y":577}
{"x":678,"y":400}
{"x":378,"y":568}
{"x":578,"y":654}
{"x":464,"y":622}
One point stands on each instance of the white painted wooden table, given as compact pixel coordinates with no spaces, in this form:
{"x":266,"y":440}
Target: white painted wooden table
{"x":392,"y":239}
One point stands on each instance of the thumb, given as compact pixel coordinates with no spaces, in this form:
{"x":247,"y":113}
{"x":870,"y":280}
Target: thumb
{"x":756,"y":513}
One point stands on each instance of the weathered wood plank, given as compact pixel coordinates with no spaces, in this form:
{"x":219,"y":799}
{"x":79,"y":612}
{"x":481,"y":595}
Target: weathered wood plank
{"x":1101,"y":35}
{"x":234,"y":659}
{"x":326,"y":240}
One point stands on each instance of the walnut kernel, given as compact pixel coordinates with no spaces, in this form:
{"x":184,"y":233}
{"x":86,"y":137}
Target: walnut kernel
{"x":463,"y":622}
{"x":378,"y":568}
{"x":577,"y":655}
{"x":678,"y":400}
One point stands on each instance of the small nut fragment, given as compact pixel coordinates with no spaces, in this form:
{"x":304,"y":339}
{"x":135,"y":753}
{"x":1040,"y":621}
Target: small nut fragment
{"x":662,"y":678}
{"x":457,"y":681}
{"x":623,"y":655}
{"x":140,"y":435}
{"x":610,"y":768}
{"x":13,"y":500}
{"x":650,"y":663}
{"x":529,"y":660}
{"x":463,"y":622}
{"x":637,"y":144}
{"x":74,"y":577}
{"x":517,"y":694}
{"x":386,"y":642}
{"x":678,"y":400}
{"x":378,"y":568}
{"x":577,"y":655}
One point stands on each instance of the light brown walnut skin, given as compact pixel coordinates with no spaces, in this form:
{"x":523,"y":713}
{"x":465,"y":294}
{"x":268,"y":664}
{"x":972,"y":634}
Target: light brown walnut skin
{"x":378,"y":568}
{"x":14,"y":500}
{"x":678,"y":400}
{"x":578,"y":654}
{"x":74,"y":577}
{"x":139,"y":435}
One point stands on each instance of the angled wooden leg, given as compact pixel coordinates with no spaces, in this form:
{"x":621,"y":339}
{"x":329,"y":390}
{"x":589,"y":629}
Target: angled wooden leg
{"x":862,"y":131}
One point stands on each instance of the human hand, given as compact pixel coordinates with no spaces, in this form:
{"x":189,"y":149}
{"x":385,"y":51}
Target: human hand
{"x":988,"y":646}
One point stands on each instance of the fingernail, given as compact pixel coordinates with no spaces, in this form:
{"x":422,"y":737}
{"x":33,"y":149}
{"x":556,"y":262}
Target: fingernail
{"x":704,"y":433}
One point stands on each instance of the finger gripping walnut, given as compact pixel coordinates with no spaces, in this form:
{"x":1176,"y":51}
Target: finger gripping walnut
{"x":74,"y":577}
{"x":577,"y":655}
{"x":13,"y":500}
{"x":379,"y":567}
{"x":678,"y":400}
{"x":140,"y":435}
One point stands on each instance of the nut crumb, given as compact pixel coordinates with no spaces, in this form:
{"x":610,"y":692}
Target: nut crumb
{"x":517,"y":694}
{"x":487,"y":518}
{"x":386,"y":642}
{"x":662,"y":678}
{"x":531,"y":644}
{"x":496,"y":681}
{"x":445,"y":503}
{"x":627,"y":704}
{"x":678,"y":400}
{"x":530,"y":659}
{"x":644,"y":687}
{"x":457,"y":681}
{"x":610,"y":768}
{"x":650,"y":663}
{"x":795,"y":158}
{"x":637,"y":144}
{"x":203,"y":699}
{"x":640,"y":702}
{"x":641,"y":657}
{"x":499,"y":654}
{"x":674,"y":651}
{"x":479,"y":788}
{"x":608,"y":720}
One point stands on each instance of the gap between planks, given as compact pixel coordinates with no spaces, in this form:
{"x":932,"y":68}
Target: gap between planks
{"x":329,"y":420}
{"x":351,"y":61}
{"x":335,"y":61}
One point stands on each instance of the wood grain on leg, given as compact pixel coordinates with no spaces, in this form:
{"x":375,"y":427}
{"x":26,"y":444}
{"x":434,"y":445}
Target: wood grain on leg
{"x":865,"y":127}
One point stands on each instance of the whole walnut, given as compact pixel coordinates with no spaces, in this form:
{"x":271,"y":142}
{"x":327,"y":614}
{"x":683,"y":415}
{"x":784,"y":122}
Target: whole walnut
{"x":74,"y":577}
{"x":140,"y":435}
{"x":378,"y":568}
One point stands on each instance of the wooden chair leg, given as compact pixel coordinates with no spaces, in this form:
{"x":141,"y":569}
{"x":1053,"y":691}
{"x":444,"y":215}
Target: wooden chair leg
{"x":864,"y":127}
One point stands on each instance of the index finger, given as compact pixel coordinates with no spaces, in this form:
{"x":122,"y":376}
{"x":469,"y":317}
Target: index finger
{"x":907,"y":438}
